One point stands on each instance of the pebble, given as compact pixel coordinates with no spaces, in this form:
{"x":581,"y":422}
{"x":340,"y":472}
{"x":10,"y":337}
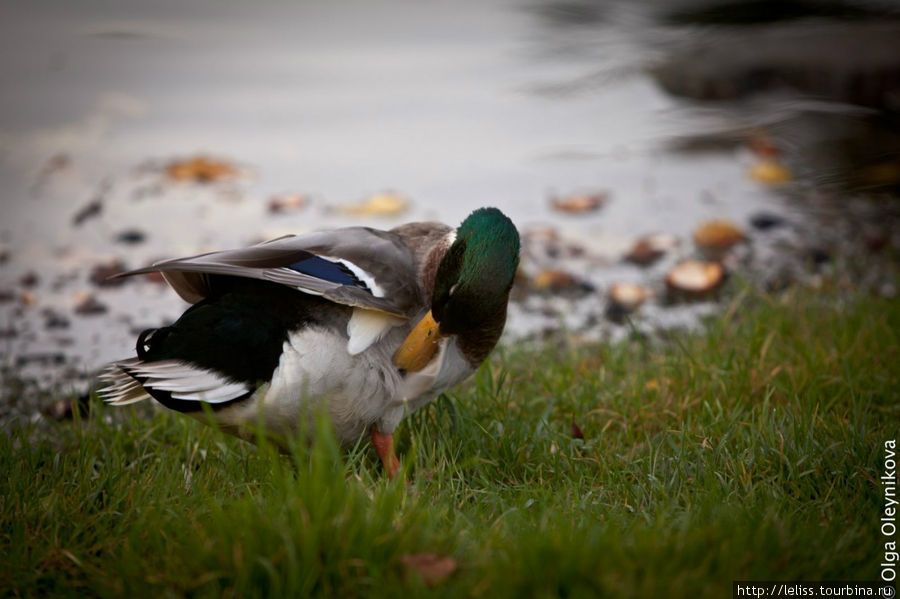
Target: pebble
{"x":287,"y":202}
{"x":88,"y":305}
{"x":131,"y":237}
{"x":91,"y":210}
{"x":30,"y":279}
{"x":763,"y":221}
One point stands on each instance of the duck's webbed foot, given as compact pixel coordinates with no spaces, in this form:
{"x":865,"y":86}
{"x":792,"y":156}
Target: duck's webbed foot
{"x":384,"y":445}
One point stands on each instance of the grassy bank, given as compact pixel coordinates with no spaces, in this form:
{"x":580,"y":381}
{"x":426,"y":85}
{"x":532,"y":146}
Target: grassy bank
{"x":751,"y":451}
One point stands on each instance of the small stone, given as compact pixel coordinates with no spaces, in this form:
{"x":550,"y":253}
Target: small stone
{"x":763,"y":221}
{"x":55,"y":320}
{"x":30,"y":279}
{"x":819,"y":256}
{"x":875,"y":239}
{"x":287,"y":202}
{"x":45,"y":359}
{"x":88,"y":305}
{"x":131,"y":237}
{"x":91,"y":210}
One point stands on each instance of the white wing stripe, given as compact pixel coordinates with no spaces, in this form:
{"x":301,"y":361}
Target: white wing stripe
{"x":360,"y":274}
{"x":186,"y":381}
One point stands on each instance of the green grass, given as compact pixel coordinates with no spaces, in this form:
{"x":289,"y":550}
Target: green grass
{"x":750,"y":451}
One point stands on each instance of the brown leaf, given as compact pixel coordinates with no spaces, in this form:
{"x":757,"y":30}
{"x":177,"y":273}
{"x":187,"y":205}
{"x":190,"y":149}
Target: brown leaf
{"x":576,"y":430}
{"x":718,"y":235}
{"x":579,"y":202}
{"x":387,"y":203}
{"x":431,"y":567}
{"x":201,"y":169}
{"x":770,"y":172}
{"x":650,"y":248}
{"x":101,"y":273}
{"x":91,"y":210}
{"x":694,"y":278}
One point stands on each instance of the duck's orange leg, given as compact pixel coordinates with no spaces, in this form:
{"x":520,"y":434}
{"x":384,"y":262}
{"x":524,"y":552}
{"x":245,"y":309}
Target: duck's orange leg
{"x":384,"y":445}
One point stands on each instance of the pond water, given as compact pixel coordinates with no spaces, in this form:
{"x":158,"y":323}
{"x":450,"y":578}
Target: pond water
{"x":453,"y":105}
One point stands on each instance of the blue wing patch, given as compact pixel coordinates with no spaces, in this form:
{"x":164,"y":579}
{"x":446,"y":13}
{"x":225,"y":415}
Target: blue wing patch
{"x":327,"y":270}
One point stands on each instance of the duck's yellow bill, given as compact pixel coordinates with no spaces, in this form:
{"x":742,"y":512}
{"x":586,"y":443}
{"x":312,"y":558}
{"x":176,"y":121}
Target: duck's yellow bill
{"x":419,"y":346}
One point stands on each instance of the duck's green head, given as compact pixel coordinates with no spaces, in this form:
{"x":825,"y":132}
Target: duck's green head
{"x":471,"y":290}
{"x":472,"y":283}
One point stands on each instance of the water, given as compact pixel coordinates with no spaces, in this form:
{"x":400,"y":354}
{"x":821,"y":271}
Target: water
{"x":455,"y":106}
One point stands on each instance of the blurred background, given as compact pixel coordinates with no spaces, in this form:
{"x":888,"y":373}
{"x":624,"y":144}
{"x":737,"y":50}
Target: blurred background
{"x":647,"y":150}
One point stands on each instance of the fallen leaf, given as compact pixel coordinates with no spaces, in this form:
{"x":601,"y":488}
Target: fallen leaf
{"x":650,"y":248}
{"x":628,"y":297}
{"x":430,"y":567}
{"x":770,"y":172}
{"x":694,"y":278}
{"x":719,"y":235}
{"x":201,"y":169}
{"x":385,"y":203}
{"x":763,"y":146}
{"x":101,"y":273}
{"x":588,"y":201}
{"x":576,"y":430}
{"x":550,"y":280}
{"x":91,"y":210}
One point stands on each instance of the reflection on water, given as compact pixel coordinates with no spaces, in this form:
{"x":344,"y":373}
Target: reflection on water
{"x":499,"y":103}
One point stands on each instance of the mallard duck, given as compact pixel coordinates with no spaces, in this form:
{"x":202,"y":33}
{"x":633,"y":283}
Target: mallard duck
{"x":372,"y":324}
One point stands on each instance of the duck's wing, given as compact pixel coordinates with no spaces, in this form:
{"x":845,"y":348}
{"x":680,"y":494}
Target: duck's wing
{"x":354,"y":266}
